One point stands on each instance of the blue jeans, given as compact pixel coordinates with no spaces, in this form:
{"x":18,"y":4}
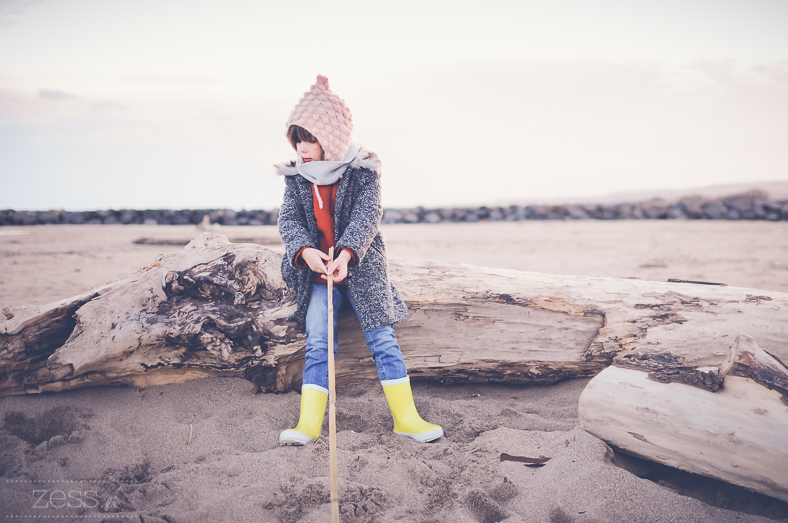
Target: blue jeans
{"x":381,"y":341}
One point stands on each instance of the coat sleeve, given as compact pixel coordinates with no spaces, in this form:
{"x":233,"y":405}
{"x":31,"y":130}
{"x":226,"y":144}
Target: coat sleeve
{"x":365,"y":217}
{"x":292,"y":223}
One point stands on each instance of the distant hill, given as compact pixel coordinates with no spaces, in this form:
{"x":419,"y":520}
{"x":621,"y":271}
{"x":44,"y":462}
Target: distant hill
{"x":774,"y":191}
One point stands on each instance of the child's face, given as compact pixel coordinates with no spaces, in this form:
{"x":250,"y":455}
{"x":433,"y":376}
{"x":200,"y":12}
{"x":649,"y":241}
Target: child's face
{"x":309,"y":152}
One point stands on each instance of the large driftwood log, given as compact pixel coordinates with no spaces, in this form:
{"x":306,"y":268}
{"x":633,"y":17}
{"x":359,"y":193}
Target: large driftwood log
{"x":219,"y":309}
{"x":739,"y":434}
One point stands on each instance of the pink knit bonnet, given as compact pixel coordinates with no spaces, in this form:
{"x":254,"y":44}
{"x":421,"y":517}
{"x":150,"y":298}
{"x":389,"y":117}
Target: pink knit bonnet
{"x":326,"y":116}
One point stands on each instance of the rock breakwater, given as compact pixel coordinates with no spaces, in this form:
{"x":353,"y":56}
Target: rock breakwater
{"x":748,"y":206}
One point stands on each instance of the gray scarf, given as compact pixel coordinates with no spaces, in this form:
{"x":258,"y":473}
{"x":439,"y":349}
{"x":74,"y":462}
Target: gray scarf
{"x":325,"y":173}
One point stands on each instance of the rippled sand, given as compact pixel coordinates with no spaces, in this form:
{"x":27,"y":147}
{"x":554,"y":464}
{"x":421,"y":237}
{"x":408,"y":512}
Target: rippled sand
{"x":133,"y":444}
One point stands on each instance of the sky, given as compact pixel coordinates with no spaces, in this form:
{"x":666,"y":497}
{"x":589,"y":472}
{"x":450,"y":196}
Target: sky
{"x":183,"y":104}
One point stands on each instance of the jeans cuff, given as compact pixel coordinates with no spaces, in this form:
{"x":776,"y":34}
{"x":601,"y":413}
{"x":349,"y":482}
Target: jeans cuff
{"x":397,"y":381}
{"x":310,"y":386}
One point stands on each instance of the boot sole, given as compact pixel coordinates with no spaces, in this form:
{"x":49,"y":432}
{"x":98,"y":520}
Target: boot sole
{"x":293,"y":437}
{"x":423,"y":437}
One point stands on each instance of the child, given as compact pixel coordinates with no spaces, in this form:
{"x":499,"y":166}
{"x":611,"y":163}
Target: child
{"x":332,"y":199}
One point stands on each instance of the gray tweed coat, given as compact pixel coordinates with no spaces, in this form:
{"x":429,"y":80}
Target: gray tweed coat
{"x":357,"y":215}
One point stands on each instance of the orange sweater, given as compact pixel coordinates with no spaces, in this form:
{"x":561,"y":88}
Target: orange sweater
{"x":325,"y":223}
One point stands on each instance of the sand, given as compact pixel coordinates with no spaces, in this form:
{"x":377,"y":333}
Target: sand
{"x":206,"y":451}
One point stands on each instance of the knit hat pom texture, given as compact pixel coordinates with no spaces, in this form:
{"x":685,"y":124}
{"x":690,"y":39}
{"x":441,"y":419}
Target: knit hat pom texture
{"x":326,"y":116}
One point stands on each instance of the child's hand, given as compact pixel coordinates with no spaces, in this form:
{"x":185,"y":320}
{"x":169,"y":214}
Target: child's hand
{"x":338,"y":267}
{"x":314,"y":258}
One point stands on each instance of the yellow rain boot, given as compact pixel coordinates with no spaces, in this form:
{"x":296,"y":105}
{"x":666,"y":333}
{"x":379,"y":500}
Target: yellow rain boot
{"x":407,"y":421}
{"x":310,"y":424}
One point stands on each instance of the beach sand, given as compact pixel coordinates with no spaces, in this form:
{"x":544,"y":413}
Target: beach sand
{"x":207,"y":450}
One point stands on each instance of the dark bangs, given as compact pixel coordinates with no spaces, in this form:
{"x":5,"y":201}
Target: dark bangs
{"x":297,"y":134}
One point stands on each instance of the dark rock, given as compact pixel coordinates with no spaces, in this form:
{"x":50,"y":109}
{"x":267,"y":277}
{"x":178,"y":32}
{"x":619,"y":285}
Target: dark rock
{"x":749,"y":206}
{"x":446,"y":215}
{"x":109,"y":217}
{"x":24,"y":218}
{"x":756,"y":212}
{"x":592,"y":211}
{"x":630,"y":211}
{"x":459,"y":215}
{"x":772,"y":211}
{"x":557,"y":212}
{"x":471,"y":215}
{"x":409,"y":216}
{"x":676,"y":212}
{"x":714,"y":210}
{"x":431,"y":216}
{"x":195,"y":216}
{"x":127,"y":217}
{"x":150,"y":217}
{"x":539,"y":212}
{"x":181,"y":218}
{"x":227,"y":217}
{"x":609,"y":212}
{"x":258,"y":218}
{"x":655,"y":211}
{"x":692,"y":208}
{"x":496,"y":214}
{"x":48,"y":217}
{"x":576,"y":212}
{"x":76,"y":218}
{"x":7,"y":217}
{"x":515,"y":213}
{"x":390,"y":216}
{"x":164,"y":217}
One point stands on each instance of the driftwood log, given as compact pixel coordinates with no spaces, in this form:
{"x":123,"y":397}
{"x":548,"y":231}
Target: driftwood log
{"x":738,"y":434}
{"x":220,"y":309}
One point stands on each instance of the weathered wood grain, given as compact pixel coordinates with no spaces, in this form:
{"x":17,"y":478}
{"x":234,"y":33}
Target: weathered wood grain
{"x":220,"y":309}
{"x":737,"y":434}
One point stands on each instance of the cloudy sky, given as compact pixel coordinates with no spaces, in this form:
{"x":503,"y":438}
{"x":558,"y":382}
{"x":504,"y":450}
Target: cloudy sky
{"x":182,"y":104}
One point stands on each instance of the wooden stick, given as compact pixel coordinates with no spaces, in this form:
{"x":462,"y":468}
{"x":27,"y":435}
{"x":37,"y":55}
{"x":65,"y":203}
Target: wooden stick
{"x":332,"y":398}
